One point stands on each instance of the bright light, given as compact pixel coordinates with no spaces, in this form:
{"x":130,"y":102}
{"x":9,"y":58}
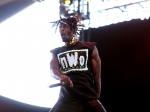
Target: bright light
{"x":87,"y":0}
{"x":99,"y":16}
{"x":67,"y":2}
{"x":25,"y":42}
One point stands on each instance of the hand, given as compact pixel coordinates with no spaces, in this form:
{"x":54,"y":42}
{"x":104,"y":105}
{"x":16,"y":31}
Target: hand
{"x":65,"y":81}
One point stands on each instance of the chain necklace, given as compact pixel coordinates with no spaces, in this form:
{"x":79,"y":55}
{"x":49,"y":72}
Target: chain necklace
{"x":72,"y":42}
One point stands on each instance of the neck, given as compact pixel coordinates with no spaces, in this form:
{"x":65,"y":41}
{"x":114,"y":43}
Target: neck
{"x":71,"y":42}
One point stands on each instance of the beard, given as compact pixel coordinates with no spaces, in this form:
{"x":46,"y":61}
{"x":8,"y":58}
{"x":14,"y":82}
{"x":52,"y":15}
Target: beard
{"x":66,"y":37}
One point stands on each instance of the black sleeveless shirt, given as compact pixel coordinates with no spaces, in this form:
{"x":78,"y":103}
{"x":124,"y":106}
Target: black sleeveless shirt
{"x":75,"y":62}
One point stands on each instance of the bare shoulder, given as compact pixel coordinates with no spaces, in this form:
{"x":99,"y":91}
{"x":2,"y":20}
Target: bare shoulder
{"x":53,"y":61}
{"x":95,"y":52}
{"x":53,"y":56}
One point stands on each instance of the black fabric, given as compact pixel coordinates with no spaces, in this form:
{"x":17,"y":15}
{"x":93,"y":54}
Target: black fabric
{"x":81,"y":76}
{"x":78,"y":106}
{"x":94,"y":106}
{"x":61,"y":106}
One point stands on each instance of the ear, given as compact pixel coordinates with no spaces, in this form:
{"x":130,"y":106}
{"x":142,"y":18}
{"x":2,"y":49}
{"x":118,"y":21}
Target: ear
{"x":73,"y":31}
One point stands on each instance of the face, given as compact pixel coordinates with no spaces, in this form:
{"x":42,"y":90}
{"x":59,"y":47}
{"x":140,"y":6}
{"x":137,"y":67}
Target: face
{"x":65,"y":32}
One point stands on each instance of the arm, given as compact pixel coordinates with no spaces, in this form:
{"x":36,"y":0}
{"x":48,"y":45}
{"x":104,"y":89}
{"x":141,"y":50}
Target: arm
{"x":55,"y":73}
{"x":54,"y":68}
{"x":96,"y":70}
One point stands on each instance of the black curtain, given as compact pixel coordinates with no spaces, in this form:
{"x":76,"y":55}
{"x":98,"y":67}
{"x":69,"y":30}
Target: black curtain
{"x":124,"y":49}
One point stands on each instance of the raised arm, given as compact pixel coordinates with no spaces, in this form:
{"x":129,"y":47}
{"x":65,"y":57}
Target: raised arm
{"x":55,"y":72}
{"x":96,"y":70}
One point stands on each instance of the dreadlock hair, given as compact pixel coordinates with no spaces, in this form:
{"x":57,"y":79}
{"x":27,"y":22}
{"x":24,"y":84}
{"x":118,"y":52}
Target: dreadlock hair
{"x":73,"y":22}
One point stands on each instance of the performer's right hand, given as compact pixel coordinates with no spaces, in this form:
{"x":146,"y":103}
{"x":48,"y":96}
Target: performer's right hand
{"x":66,"y":81}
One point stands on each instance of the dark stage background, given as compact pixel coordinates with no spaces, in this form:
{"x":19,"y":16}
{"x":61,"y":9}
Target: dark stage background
{"x":124,"y":49}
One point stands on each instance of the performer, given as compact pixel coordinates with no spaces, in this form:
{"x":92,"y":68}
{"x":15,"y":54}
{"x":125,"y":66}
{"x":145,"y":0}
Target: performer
{"x":77,"y":65}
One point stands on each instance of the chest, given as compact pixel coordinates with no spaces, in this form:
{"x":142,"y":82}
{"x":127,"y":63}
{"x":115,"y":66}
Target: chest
{"x":73,"y":60}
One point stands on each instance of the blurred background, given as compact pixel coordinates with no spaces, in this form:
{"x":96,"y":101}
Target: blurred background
{"x":121,"y":29}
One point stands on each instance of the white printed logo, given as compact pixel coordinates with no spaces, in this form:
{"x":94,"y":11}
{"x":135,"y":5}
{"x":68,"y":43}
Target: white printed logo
{"x":73,"y":60}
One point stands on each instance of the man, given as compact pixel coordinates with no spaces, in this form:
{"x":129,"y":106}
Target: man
{"x":78,"y":67}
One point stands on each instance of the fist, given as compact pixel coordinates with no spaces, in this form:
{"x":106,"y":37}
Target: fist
{"x":66,"y":81}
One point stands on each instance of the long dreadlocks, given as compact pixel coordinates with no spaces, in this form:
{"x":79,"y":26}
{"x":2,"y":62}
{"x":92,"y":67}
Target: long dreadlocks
{"x":73,"y":22}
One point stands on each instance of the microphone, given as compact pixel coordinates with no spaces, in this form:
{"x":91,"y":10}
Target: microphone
{"x":55,"y":85}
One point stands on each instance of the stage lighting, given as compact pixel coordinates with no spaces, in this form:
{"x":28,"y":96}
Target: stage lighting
{"x":87,"y":0}
{"x":66,"y":2}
